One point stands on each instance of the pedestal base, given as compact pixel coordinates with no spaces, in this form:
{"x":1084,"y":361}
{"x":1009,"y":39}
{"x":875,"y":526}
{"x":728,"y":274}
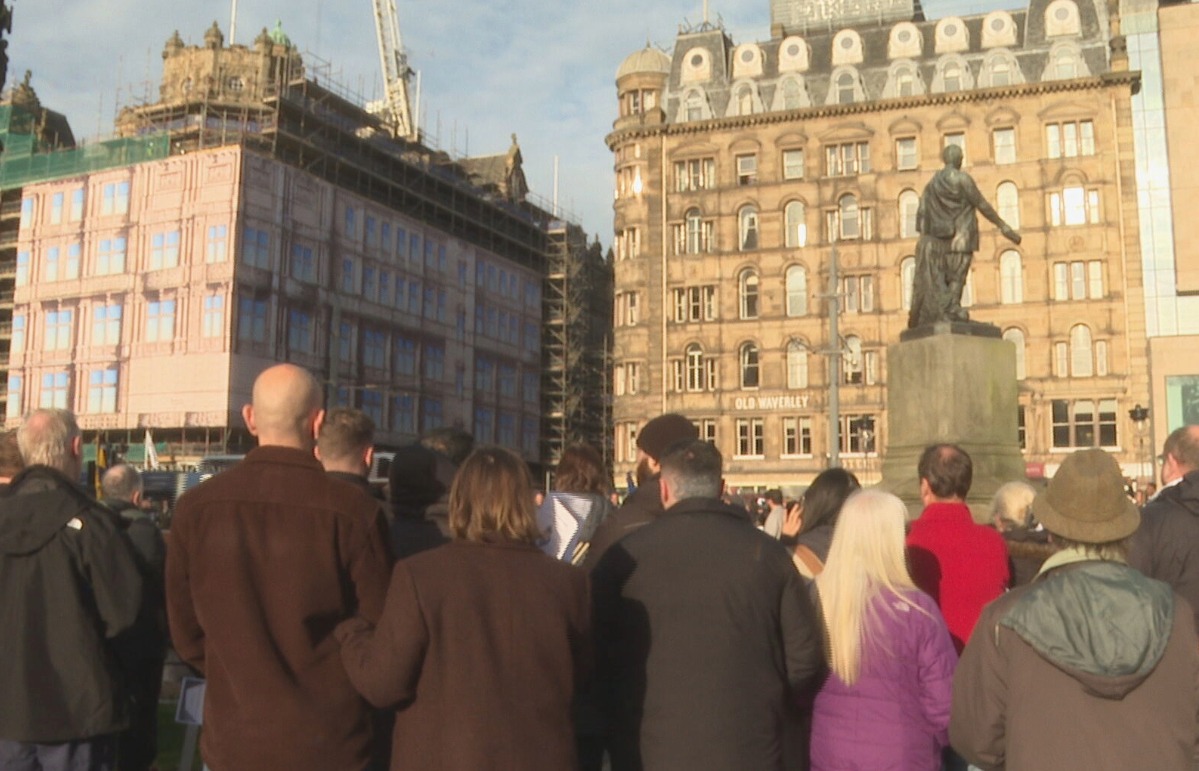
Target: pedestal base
{"x":956,"y":383}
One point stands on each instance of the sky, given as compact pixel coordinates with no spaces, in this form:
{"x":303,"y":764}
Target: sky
{"x":541,"y":69}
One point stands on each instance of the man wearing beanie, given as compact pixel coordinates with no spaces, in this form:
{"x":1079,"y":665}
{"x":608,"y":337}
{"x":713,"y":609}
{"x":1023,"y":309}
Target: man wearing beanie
{"x":1092,"y":665}
{"x":645,"y":504}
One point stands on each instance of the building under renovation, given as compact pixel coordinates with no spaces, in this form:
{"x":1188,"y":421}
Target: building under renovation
{"x":257,"y":213}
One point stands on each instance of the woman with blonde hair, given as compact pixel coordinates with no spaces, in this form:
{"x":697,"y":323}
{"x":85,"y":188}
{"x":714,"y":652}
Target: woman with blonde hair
{"x":885,"y":704}
{"x":483,"y":640}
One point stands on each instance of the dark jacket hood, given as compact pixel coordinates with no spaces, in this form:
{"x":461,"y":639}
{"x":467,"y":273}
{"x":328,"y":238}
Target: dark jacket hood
{"x":419,"y":478}
{"x":1102,"y":623}
{"x":34,"y":509}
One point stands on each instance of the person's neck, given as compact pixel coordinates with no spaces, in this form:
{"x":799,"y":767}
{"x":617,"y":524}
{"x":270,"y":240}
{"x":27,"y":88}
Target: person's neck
{"x":291,"y":442}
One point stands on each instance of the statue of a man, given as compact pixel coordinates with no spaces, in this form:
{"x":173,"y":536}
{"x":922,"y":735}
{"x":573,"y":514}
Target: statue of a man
{"x":948,"y":240}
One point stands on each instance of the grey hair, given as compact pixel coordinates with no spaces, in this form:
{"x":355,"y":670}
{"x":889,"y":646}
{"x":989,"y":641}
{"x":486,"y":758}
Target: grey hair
{"x":45,"y":438}
{"x":120,"y":482}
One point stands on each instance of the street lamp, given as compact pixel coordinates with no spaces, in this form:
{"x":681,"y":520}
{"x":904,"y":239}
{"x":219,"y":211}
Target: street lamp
{"x":1140,"y":417}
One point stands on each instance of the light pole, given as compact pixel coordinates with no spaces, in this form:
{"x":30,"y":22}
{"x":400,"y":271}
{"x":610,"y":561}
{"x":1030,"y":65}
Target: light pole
{"x":1140,"y":418}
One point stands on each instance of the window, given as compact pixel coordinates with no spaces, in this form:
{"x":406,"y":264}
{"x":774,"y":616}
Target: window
{"x":858,"y":367}
{"x":694,"y":303}
{"x":403,"y":414}
{"x":857,"y":434}
{"x":951,"y":77}
{"x":351,"y":228}
{"x":747,"y":228}
{"x":432,"y":414}
{"x":906,"y":155}
{"x":370,"y":281}
{"x":76,"y":205}
{"x":958,"y":139}
{"x":13,"y":407}
{"x":110,"y":256}
{"x":845,"y":88}
{"x":909,"y":205}
{"x":695,"y":372}
{"x":22,"y":277}
{"x":849,"y":221}
{"x":55,"y":391}
{"x":797,"y":436}
{"x":797,"y":365}
{"x":1003,"y":144}
{"x":56,"y":202}
{"x":627,"y":245}
{"x":301,"y":336}
{"x":50,"y":268}
{"x":434,"y":362}
{"x":303,"y":263}
{"x":1078,"y":280}
{"x":164,"y":250}
{"x":58,"y":330}
{"x":747,"y":284}
{"x":793,"y":162}
{"x":796,"y":284}
{"x":1084,"y":423}
{"x":905,"y":82}
{"x":1001,"y":74}
{"x":706,"y":428}
{"x":1068,"y":140}
{"x":345,"y":342}
{"x":114,"y":198}
{"x":857,"y":294}
{"x":792,"y":94}
{"x":160,"y":321}
{"x":1074,"y":205}
{"x":216,"y":245}
{"x":1081,"y":352}
{"x":847,"y":160}
{"x":19,"y":322}
{"x":693,"y":106}
{"x":1007,"y":202}
{"x":749,"y":363}
{"x":747,"y":169}
{"x":626,"y":442}
{"x":795,"y":222}
{"x":371,"y":230}
{"x":106,"y":324}
{"x":102,"y":390}
{"x":1016,"y":338}
{"x":745,"y":101}
{"x":627,"y":312}
{"x":484,"y":375}
{"x":404,"y":361}
{"x":251,"y":320}
{"x":74,"y":258}
{"x":750,"y":439}
{"x":374,"y":349}
{"x":347,"y":275}
{"x":1011,"y":278}
{"x":907,"y":276}
{"x":694,"y":236}
{"x":214,"y":316}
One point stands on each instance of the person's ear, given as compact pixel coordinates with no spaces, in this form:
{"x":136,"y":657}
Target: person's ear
{"x":77,"y":447}
{"x":368,"y":457}
{"x":247,"y":415}
{"x":317,"y":422}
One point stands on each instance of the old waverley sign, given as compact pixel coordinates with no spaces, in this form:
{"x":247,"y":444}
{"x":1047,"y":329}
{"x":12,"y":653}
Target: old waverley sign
{"x":768,"y":403}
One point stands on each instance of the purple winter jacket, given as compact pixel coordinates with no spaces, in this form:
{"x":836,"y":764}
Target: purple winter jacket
{"x":896,"y":716}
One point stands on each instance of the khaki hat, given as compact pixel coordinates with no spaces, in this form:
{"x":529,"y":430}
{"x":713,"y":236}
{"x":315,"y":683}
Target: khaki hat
{"x":1085,"y":500}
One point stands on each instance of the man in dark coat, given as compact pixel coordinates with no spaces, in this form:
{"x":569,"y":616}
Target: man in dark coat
{"x":419,"y":484}
{"x":1166,"y":546}
{"x":265,"y":560}
{"x":645,"y":503}
{"x":122,"y":490}
{"x":71,"y":588}
{"x":708,"y":644}
{"x":346,"y":447}
{"x":1092,"y":665}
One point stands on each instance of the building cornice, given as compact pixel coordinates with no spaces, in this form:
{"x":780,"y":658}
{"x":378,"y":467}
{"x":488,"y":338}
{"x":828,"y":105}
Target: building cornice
{"x":1130,"y":78}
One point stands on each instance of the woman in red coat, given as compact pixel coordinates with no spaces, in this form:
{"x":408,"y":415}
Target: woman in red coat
{"x":483,"y":640}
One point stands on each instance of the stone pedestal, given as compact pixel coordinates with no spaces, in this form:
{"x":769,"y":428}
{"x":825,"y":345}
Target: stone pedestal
{"x":952,"y":382}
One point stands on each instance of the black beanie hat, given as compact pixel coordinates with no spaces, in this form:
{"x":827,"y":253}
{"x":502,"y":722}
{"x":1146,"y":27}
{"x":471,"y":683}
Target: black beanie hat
{"x":660,"y":433}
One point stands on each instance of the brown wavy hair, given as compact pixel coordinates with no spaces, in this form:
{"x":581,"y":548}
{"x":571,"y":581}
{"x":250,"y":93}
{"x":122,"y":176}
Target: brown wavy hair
{"x":581,"y":470}
{"x":492,"y":496}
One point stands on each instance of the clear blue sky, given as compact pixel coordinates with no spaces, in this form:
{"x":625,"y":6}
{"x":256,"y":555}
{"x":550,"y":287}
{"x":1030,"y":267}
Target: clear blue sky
{"x":542,"y":69}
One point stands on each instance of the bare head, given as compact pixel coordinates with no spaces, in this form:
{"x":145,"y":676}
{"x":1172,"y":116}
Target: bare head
{"x":285,"y":410}
{"x":952,"y":155}
{"x":50,"y":437}
{"x":346,"y":441}
{"x":122,"y":482}
{"x":946,"y":473}
{"x":690,"y":469}
{"x":1180,"y":453}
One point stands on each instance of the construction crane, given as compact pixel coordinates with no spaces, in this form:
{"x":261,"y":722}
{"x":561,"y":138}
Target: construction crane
{"x":395,"y":69}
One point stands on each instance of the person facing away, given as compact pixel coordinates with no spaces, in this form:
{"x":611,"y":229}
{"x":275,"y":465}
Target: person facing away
{"x":644,"y":504}
{"x":482,"y":641}
{"x":708,"y":647}
{"x":581,"y":472}
{"x":345,"y":447}
{"x":1027,"y":547}
{"x":10,"y":458}
{"x":808,"y":527}
{"x":419,"y":487}
{"x":265,"y":560}
{"x":886,"y":701}
{"x":1166,"y":545}
{"x":122,"y":489}
{"x":1092,"y":665}
{"x":72,"y":591}
{"x":960,"y":564}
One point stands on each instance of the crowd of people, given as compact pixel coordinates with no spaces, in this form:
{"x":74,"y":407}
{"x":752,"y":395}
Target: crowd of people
{"x":339,"y":628}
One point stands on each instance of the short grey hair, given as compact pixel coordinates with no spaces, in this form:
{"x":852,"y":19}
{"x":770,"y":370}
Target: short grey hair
{"x":121,"y":482}
{"x":45,"y":438}
{"x":693,"y":469}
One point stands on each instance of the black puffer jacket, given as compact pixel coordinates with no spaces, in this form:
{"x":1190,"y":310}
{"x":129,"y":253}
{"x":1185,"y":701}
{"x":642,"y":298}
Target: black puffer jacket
{"x":1166,"y":546}
{"x":71,"y":585}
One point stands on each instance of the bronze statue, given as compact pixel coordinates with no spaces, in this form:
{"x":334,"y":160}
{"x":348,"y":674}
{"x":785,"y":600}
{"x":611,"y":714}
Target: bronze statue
{"x":948,"y":240}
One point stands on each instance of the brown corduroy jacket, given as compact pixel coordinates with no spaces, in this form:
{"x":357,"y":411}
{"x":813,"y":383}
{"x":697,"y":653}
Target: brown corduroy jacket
{"x":266,"y":559}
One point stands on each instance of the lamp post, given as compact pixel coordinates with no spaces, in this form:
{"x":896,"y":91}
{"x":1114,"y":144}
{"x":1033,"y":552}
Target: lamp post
{"x":1140,"y":418}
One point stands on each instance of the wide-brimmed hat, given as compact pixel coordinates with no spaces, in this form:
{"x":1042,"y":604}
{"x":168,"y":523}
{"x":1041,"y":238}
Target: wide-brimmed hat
{"x":1085,"y":500}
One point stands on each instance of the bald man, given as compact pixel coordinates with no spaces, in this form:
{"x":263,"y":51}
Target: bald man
{"x":265,"y":560}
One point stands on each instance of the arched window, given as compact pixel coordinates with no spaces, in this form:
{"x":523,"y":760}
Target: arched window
{"x":792,"y":94}
{"x":745,"y":100}
{"x":748,"y":357}
{"x":951,"y":77}
{"x":845,"y":88}
{"x":1001,"y":72}
{"x":851,"y":225}
{"x":695,"y":231}
{"x":1007,"y":201}
{"x":1081,"y":355}
{"x":693,"y":106}
{"x":797,"y":365}
{"x":905,"y":82}
{"x":909,"y":203}
{"x":1011,"y":278}
{"x":747,"y":227}
{"x":696,"y":380}
{"x":851,"y":360}
{"x":795,"y":216}
{"x":1016,"y":338}
{"x":907,"y":276}
{"x":747,"y":283}
{"x":797,"y":291}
